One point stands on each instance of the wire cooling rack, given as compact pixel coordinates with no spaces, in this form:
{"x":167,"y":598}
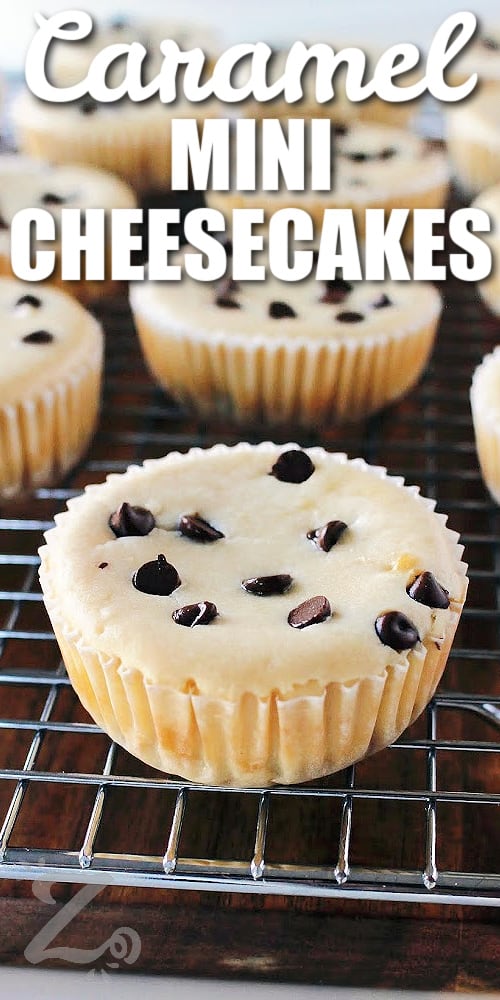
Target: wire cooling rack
{"x":418,"y":821}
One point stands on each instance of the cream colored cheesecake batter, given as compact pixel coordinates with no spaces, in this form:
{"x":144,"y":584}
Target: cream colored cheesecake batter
{"x":391,"y":537}
{"x":62,"y":337}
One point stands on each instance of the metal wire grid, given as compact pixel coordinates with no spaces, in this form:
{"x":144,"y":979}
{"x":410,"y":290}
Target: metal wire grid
{"x":433,"y":446}
{"x":429,"y":440}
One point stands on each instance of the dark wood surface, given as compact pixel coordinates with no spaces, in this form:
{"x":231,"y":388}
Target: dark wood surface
{"x":428,"y":438}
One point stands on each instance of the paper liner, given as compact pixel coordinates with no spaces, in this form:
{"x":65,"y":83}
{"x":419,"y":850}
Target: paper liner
{"x":489,"y":288}
{"x":138,"y":151}
{"x":280,"y":380}
{"x":476,"y":164}
{"x":252,"y":741}
{"x":44,"y":435}
{"x":487,"y":426}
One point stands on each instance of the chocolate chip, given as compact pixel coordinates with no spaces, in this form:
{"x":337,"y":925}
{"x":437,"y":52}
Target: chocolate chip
{"x":224,"y":297}
{"x":340,"y":129}
{"x":491,"y":43}
{"x":426,"y":590}
{"x":349,"y":317}
{"x":357,"y":157}
{"x":88,"y":106}
{"x":397,"y":631}
{"x":336,"y":291}
{"x":226,"y":303}
{"x":156,"y":577}
{"x":265,"y":586}
{"x":29,"y":300}
{"x":281,"y":310}
{"x":310,"y":612}
{"x":382,"y":302}
{"x":52,"y":199}
{"x":128,"y":521}
{"x":328,"y":535}
{"x":195,"y":527}
{"x":38,"y":337}
{"x":103,"y":565}
{"x":195,"y":614}
{"x":3,"y":223}
{"x":228,"y":247}
{"x":292,"y":466}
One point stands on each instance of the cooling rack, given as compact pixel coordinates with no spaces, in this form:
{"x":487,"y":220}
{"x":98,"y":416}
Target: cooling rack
{"x":417,"y":822}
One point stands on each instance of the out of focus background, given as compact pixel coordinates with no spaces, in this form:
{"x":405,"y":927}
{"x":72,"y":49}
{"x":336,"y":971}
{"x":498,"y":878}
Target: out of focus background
{"x":276,"y":21}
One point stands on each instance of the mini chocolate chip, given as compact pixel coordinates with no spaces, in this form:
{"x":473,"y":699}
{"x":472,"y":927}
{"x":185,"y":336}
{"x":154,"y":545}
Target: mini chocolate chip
{"x":128,"y":521}
{"x":29,"y":300}
{"x":426,"y":590}
{"x":228,"y":247}
{"x":328,"y":535}
{"x":310,"y":612}
{"x":103,"y":565}
{"x":224,"y":297}
{"x":357,"y":157}
{"x":382,"y":302}
{"x":38,"y":337}
{"x":349,"y":317}
{"x":195,"y":527}
{"x":157,"y":577}
{"x":340,"y":129}
{"x":52,"y":199}
{"x":397,"y":631}
{"x":292,"y":466}
{"x":281,"y":310}
{"x":265,"y":586}
{"x":3,"y":223}
{"x":491,"y":43}
{"x":88,"y":106}
{"x":195,"y":614}
{"x":336,"y":291}
{"x":226,"y":303}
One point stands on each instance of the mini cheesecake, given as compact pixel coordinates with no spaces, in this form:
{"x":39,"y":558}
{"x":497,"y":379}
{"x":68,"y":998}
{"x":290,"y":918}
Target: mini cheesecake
{"x":254,"y":614}
{"x":308,"y":352}
{"x":50,"y":381}
{"x":27,"y":183}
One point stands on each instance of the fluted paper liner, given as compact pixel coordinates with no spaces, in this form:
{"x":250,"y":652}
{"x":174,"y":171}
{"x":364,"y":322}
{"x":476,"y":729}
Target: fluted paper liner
{"x":253,"y":740}
{"x":279,"y":379}
{"x":137,"y":149}
{"x":487,"y":427}
{"x":476,"y":163}
{"x":44,"y":435}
